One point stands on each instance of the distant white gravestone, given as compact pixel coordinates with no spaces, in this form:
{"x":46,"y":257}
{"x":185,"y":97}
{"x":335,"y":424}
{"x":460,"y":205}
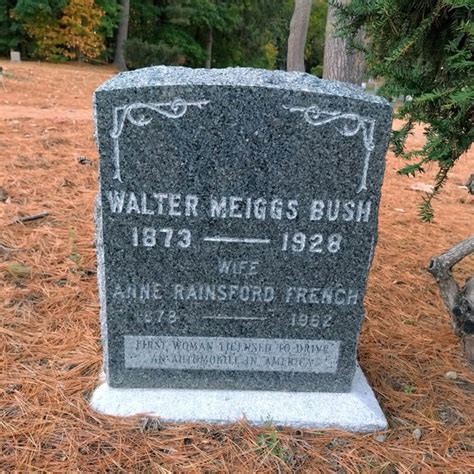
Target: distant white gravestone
{"x":236,"y":224}
{"x":15,"y":56}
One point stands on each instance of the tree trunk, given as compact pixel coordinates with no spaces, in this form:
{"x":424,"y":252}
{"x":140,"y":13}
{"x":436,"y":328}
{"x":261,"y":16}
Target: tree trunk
{"x":122,"y":34}
{"x":209,"y":49}
{"x":297,"y":38}
{"x":458,"y":301}
{"x":339,"y":63}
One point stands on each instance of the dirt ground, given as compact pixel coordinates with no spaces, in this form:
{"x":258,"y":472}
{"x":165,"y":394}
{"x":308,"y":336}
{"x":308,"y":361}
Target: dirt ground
{"x":50,"y":342}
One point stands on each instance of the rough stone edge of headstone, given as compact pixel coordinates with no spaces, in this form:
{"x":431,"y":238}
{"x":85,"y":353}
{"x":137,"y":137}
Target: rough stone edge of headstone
{"x":157,"y":76}
{"x":356,"y":411}
{"x":99,"y":247}
{"x":101,"y":281}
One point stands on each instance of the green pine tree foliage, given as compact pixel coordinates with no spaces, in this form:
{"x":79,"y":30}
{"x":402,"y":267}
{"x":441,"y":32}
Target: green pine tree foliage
{"x":422,"y":49}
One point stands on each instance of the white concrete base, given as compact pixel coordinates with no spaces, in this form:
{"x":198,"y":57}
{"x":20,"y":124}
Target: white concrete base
{"x":357,"y":410}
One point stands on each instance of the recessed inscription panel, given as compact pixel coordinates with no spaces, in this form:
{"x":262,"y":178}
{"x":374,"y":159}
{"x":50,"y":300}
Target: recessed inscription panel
{"x":236,"y":211}
{"x":230,"y":353}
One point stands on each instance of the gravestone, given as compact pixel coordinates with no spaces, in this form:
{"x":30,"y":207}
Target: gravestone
{"x":236,"y":224}
{"x":15,"y":56}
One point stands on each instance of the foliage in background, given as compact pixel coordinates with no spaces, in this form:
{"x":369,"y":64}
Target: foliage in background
{"x":139,"y":53}
{"x":244,"y":32}
{"x":185,"y":32}
{"x":314,"y":51}
{"x":259,"y":39}
{"x":10,"y":30}
{"x":80,"y":24}
{"x":108,"y":24}
{"x":422,"y":49}
{"x":177,"y":29}
{"x":65,"y":29}
{"x":40,"y":22}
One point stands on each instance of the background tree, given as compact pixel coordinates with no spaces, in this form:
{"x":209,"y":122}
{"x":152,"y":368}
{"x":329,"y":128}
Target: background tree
{"x":194,"y":33}
{"x":314,"y":51}
{"x":122,"y":34}
{"x":63,"y":29}
{"x":297,"y":38}
{"x":179,"y":31}
{"x":79,"y":27}
{"x":208,"y":17}
{"x":10,"y":29}
{"x":426,"y":52}
{"x":40,"y":22}
{"x":244,"y":32}
{"x":341,"y":63}
{"x":259,"y":38}
{"x":108,"y":26}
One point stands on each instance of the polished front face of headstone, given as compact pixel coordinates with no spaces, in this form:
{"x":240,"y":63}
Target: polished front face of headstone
{"x":237,"y":220}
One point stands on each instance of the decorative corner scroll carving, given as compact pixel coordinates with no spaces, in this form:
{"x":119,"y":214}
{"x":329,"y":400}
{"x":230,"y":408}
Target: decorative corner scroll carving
{"x":351,"y":125}
{"x":174,"y":109}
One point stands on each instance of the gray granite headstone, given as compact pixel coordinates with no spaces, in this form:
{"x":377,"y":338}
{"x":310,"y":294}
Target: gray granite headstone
{"x":237,"y":219}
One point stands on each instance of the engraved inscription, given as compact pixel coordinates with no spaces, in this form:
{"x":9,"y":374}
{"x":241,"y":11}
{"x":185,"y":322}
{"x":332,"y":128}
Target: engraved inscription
{"x":191,"y":207}
{"x":178,"y":205}
{"x":351,"y":124}
{"x":175,"y":109}
{"x":145,"y":291}
{"x":229,"y":353}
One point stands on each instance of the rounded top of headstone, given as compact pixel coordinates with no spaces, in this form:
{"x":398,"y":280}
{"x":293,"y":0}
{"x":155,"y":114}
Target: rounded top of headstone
{"x":238,"y":77}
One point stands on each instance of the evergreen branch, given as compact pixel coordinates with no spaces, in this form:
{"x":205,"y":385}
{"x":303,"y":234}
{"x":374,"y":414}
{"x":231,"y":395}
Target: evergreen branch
{"x":426,"y":52}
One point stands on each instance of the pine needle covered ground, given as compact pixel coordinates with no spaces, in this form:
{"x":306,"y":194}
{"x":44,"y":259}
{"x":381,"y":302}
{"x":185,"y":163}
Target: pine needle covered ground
{"x":50,"y":342}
